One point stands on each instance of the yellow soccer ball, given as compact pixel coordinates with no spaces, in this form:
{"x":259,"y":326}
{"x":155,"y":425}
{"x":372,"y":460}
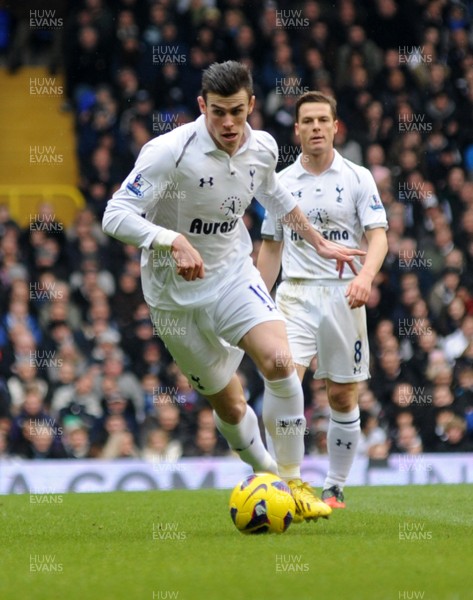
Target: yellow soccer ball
{"x":262,"y":503}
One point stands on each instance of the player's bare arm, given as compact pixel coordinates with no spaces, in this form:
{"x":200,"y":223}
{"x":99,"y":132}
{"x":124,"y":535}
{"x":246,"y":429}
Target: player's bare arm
{"x":189,"y":263}
{"x":297,"y":220}
{"x":269,"y":261}
{"x":359,"y":289}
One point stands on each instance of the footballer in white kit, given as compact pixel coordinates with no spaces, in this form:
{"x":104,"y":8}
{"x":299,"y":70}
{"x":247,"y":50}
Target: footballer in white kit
{"x":341,"y":204}
{"x":325,"y":311}
{"x":183,"y":182}
{"x":183,"y":204}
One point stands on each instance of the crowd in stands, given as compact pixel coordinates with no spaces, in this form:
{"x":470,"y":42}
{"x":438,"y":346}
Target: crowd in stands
{"x":82,"y":373}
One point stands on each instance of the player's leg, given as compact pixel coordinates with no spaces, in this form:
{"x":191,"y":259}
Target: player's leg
{"x":209,"y":365}
{"x":283,"y":402}
{"x":238,"y":424}
{"x":300,"y":370}
{"x":283,"y":411}
{"x":342,"y":439}
{"x":247,"y":317}
{"x":342,"y":362}
{"x":298,"y":341}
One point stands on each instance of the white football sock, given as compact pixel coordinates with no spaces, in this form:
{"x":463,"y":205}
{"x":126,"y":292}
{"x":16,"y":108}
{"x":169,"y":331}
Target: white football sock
{"x":342,"y":439}
{"x":283,"y":416}
{"x":245,"y":438}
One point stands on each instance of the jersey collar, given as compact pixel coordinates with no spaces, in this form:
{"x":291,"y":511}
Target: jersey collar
{"x":336,"y":165}
{"x":208,"y":145}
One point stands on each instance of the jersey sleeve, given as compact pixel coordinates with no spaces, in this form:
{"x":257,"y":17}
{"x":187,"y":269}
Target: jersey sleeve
{"x":275,"y":198}
{"x":370,"y":208}
{"x":271,"y":228}
{"x":124,"y":215}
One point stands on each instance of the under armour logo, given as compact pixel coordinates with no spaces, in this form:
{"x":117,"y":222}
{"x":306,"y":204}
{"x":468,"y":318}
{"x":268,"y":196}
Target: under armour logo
{"x":356,"y":370}
{"x":203,"y":182}
{"x":297,"y":194}
{"x":340,"y":443}
{"x":339,"y":191}
{"x":289,"y":422}
{"x":196,"y":380}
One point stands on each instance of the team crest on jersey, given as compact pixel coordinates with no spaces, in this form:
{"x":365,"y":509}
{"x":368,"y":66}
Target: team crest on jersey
{"x":339,"y":192}
{"x":376,"y":204}
{"x":231,"y":206}
{"x":139,"y":186}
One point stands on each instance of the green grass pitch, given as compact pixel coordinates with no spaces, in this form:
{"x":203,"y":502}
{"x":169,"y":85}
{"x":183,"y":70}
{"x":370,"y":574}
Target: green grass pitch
{"x":390,"y":543}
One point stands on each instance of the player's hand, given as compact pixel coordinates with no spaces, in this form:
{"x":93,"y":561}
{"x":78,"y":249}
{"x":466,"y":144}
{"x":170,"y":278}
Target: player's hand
{"x":341,"y":254}
{"x":358,"y":291}
{"x":189,"y":263}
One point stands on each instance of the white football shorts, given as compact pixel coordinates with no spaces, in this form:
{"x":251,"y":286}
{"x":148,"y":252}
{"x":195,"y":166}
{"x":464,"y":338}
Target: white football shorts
{"x":320,"y":323}
{"x":203,"y":341}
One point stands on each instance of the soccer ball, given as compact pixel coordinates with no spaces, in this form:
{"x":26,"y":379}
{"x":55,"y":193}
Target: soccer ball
{"x":262,"y":503}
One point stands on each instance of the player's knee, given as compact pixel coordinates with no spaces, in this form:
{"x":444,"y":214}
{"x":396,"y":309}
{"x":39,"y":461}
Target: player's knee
{"x":277,"y":364}
{"x":232,"y":412}
{"x":343,"y":397}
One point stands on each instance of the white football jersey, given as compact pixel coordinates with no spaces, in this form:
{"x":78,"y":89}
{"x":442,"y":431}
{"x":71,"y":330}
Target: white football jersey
{"x":183,"y":182}
{"x":341,"y":203}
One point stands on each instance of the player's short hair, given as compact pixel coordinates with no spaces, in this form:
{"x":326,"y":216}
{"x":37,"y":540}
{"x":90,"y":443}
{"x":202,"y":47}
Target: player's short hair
{"x":317,"y":97}
{"x":226,"y":78}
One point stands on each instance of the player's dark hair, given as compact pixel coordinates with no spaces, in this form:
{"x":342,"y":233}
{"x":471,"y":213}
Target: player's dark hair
{"x":226,"y":78}
{"x":317,"y":97}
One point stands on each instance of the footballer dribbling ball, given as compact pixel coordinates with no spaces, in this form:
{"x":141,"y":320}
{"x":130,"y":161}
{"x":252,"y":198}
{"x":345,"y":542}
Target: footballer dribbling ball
{"x":262,"y":503}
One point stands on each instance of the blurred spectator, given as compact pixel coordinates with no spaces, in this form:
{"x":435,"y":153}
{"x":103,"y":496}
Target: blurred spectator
{"x":371,"y":433}
{"x":152,"y":386}
{"x":34,"y":433}
{"x":464,"y":390}
{"x":457,"y":342}
{"x":455,"y":437}
{"x":368,"y":402}
{"x":357,"y":45}
{"x":443,"y":292}
{"x":166,"y":416}
{"x":389,"y":373}
{"x":126,"y":299}
{"x":4,"y":450}
{"x":120,"y":445}
{"x":23,"y":380}
{"x":123,"y":381}
{"x":76,"y":439}
{"x":115,"y":403}
{"x":204,"y":443}
{"x":105,"y":430}
{"x":77,"y":399}
{"x":407,"y":440}
{"x":318,"y":435}
{"x":348,"y":148}
{"x":160,"y":448}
